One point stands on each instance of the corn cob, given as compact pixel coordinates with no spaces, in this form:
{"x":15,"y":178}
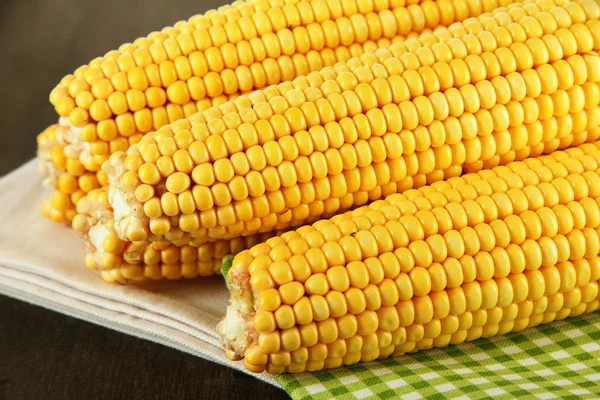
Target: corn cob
{"x":485,"y":254}
{"x":124,"y":262}
{"x":180,"y":256}
{"x":339,"y":137}
{"x":118,"y":261}
{"x":202,"y":62}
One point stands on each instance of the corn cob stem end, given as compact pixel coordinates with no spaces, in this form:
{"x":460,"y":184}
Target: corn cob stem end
{"x":237,"y":327}
{"x":129,"y":217}
{"x":51,"y":147}
{"x":106,"y":252}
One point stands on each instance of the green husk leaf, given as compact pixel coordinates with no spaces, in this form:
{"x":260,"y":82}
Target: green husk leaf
{"x":226,"y":264}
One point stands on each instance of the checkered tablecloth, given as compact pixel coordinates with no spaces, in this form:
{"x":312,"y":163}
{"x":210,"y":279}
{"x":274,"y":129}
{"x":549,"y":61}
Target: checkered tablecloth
{"x":559,"y":360}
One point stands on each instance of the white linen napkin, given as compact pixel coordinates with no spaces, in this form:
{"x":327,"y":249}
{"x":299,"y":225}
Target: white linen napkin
{"x":41,"y":262}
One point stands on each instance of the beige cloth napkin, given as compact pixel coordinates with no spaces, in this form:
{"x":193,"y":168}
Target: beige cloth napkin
{"x":41,"y":262}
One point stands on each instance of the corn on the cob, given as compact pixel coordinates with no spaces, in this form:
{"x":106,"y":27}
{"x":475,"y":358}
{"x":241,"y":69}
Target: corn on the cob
{"x":484,"y":254}
{"x":122,"y":262}
{"x":339,"y":137}
{"x":172,"y":74}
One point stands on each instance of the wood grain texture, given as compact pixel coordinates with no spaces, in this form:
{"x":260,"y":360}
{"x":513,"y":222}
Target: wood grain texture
{"x":45,"y":355}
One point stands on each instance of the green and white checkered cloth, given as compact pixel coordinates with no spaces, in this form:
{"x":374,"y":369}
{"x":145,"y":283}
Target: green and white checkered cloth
{"x":558,"y":360}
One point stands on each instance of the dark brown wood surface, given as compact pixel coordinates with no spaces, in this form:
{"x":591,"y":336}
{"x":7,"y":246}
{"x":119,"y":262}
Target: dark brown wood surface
{"x":46,"y":355}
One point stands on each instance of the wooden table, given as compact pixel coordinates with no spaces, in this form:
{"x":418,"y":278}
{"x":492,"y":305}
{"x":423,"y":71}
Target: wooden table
{"x":45,"y":355}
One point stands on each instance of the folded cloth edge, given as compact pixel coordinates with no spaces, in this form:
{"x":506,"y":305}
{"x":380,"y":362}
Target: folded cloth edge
{"x":24,"y":277}
{"x":55,"y":300}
